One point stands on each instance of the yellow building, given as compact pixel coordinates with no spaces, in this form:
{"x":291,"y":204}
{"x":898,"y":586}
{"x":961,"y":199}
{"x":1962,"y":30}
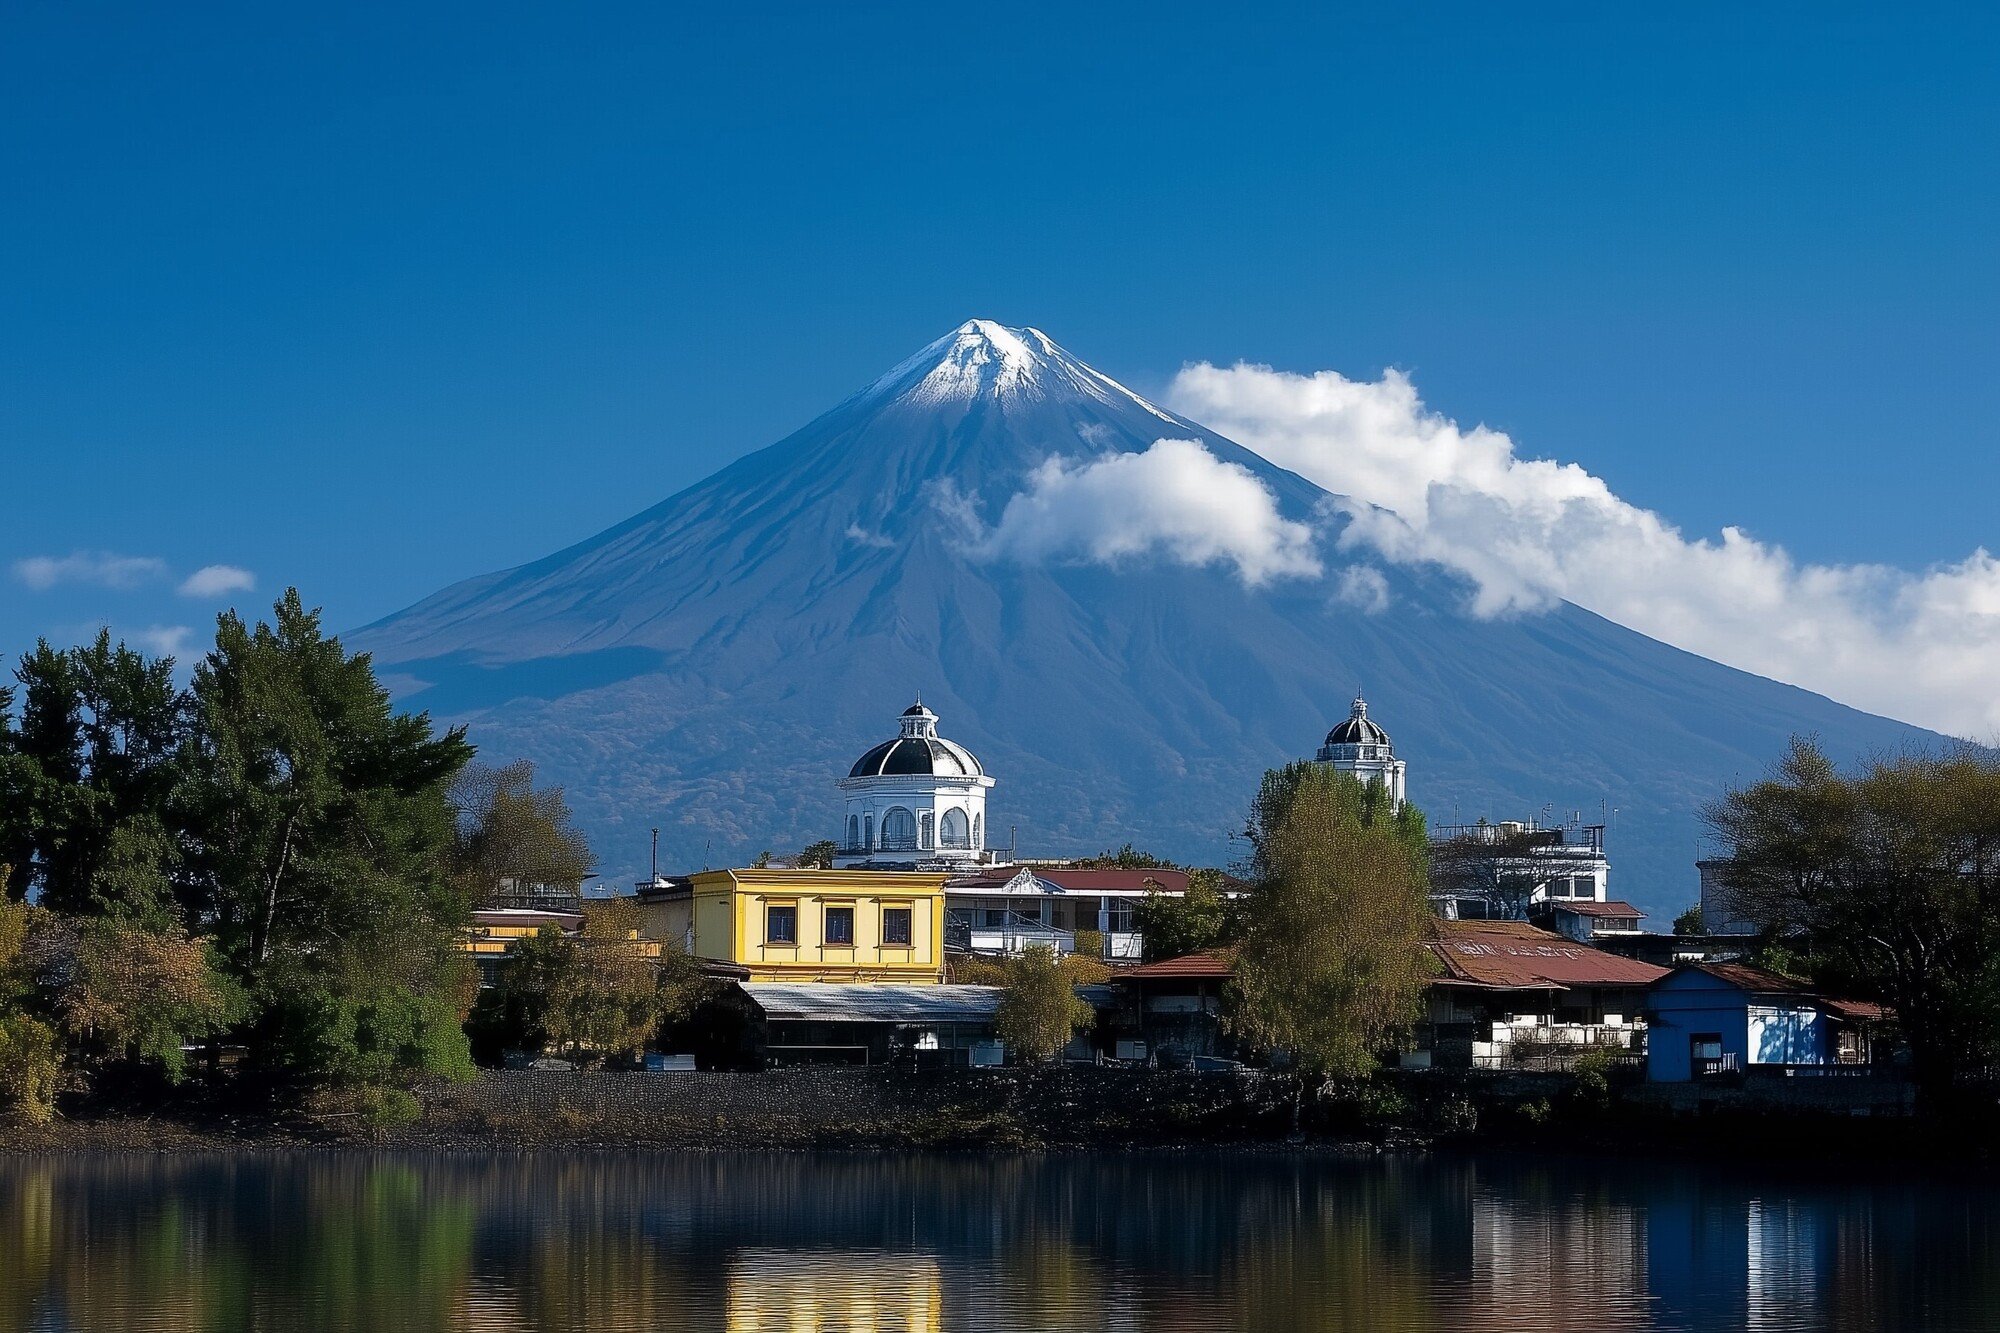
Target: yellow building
{"x":805,"y":925}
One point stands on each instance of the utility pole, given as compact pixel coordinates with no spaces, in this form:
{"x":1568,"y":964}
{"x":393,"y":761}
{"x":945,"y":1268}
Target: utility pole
{"x":656,"y":857}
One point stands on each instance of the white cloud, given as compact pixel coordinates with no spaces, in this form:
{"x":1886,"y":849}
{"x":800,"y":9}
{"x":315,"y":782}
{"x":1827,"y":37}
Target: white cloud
{"x":217,"y":581}
{"x":1363,"y":586}
{"x":1528,"y":532}
{"x":103,"y":569}
{"x":1175,"y":501}
{"x":861,"y":536}
{"x":159,"y":640}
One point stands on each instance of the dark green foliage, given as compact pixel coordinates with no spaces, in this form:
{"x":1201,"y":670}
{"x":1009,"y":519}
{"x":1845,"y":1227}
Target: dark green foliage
{"x":1280,"y":788}
{"x":1690,"y":922}
{"x":1885,"y":883}
{"x":818,"y":855}
{"x":320,"y":831}
{"x":1127,"y":857}
{"x":86,"y":779}
{"x":1203,"y":918}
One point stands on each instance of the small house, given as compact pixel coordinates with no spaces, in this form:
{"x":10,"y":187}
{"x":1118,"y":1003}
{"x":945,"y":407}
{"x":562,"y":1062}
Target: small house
{"x":1509,"y":994}
{"x":1173,"y":1009}
{"x":1731,"y":1018}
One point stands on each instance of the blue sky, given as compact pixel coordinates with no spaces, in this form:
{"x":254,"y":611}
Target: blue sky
{"x":369,"y":301}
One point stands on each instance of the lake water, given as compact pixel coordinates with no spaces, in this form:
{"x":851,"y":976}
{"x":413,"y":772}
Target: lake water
{"x":794,"y":1244}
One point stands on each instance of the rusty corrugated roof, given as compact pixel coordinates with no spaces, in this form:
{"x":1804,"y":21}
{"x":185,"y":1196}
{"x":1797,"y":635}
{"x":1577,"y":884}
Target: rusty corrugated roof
{"x":1515,"y":954}
{"x":1209,"y":963}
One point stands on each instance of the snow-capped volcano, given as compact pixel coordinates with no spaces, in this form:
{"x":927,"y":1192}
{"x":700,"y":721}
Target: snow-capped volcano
{"x":1073,"y":580}
{"x":982,"y":359}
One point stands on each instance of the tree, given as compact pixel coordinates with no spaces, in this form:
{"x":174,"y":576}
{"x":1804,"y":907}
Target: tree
{"x":122,"y":991}
{"x":818,"y":855}
{"x":1690,"y":922}
{"x":1375,"y":809}
{"x":1127,"y":857}
{"x":1175,"y":924}
{"x":1331,"y":968}
{"x":1501,"y":866}
{"x":1040,"y":1009}
{"x":1888,"y":879}
{"x":30,"y":1052}
{"x":87,"y":779}
{"x":598,"y":990}
{"x":509,"y":831}
{"x":319,"y":830}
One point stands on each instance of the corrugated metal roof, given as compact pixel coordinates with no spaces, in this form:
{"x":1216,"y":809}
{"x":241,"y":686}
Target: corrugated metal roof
{"x":1515,"y":954}
{"x":1612,"y":908}
{"x":866,"y":1002}
{"x":1756,"y":979}
{"x":1189,"y":966}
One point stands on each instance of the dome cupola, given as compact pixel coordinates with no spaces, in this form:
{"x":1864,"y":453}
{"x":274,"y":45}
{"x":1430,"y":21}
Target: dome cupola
{"x":916,"y":799}
{"x":1360,"y":746}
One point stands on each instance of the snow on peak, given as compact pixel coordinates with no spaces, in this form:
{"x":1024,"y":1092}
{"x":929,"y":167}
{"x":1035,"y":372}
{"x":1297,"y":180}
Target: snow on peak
{"x":984,"y":358}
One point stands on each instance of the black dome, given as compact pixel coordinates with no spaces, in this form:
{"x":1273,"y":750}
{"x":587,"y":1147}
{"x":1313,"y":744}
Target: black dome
{"x":1359,"y":729}
{"x":916,"y":756}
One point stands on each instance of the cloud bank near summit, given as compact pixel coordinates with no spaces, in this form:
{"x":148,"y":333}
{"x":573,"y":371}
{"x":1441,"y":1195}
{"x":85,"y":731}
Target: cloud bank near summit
{"x":1175,"y":501}
{"x":1526,"y":533}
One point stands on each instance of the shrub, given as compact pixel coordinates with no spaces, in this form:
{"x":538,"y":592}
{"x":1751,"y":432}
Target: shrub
{"x":30,"y":1068}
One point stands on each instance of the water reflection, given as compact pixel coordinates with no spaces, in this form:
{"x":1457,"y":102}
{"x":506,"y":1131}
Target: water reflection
{"x":797,"y":1244}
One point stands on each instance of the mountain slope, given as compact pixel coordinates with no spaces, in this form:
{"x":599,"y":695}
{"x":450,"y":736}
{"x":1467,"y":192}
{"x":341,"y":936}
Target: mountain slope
{"x":713,"y":664}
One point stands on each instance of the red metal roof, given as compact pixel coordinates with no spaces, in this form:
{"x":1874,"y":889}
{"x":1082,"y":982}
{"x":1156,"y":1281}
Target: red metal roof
{"x":1755,"y":978}
{"x":1612,"y":908}
{"x":1210,"y":963}
{"x":1516,"y":955}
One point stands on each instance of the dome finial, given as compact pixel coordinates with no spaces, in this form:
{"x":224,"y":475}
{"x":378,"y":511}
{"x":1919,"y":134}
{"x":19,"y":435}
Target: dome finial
{"x":1360,"y":707}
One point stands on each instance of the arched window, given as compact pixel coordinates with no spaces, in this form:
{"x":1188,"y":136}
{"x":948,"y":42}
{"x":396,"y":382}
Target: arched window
{"x":899,"y":830}
{"x":953,"y":833}
{"x":925,"y":837}
{"x":868,"y":830}
{"x":978,"y":832}
{"x":854,"y":830}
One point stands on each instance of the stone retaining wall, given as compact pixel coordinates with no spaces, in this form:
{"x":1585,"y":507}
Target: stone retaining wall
{"x":845,"y":1106}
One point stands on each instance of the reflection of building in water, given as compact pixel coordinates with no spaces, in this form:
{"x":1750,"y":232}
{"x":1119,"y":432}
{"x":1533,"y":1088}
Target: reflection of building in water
{"x":1728,"y":1261}
{"x":1559,"y":1262}
{"x":834,"y":1291}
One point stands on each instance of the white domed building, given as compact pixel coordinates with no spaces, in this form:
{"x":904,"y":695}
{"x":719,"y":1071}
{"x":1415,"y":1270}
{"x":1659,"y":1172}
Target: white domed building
{"x":1360,"y":746}
{"x":915,"y":799}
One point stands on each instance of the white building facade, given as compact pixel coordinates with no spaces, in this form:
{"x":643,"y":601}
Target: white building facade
{"x":916,"y":801}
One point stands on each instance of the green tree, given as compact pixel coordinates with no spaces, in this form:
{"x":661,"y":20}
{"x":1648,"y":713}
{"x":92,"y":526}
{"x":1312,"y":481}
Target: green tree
{"x":1175,"y":924}
{"x":30,"y":1051}
{"x":87,"y":778}
{"x":818,"y":855}
{"x":599,"y":990}
{"x":508,"y":831}
{"x":1888,"y":878}
{"x":1127,"y":857}
{"x":124,"y":991}
{"x":1282,"y":786}
{"x":1331,"y":968}
{"x":1690,"y":922}
{"x":1040,"y":1010}
{"x":319,"y":828}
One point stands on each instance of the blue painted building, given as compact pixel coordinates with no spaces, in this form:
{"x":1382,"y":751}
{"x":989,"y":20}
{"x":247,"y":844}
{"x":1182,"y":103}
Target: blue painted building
{"x":1719,"y":1018}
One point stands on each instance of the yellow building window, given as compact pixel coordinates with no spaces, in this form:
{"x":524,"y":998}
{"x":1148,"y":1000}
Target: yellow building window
{"x":781,"y":923}
{"x":840,"y":926}
{"x":896,"y":926}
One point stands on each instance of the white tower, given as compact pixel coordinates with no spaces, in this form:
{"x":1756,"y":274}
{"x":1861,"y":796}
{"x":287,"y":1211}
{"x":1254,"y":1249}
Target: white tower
{"x":918,"y":798}
{"x":1360,"y":747}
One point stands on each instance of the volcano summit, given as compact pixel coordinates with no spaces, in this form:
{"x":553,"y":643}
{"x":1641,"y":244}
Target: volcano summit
{"x":1127,"y":616}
